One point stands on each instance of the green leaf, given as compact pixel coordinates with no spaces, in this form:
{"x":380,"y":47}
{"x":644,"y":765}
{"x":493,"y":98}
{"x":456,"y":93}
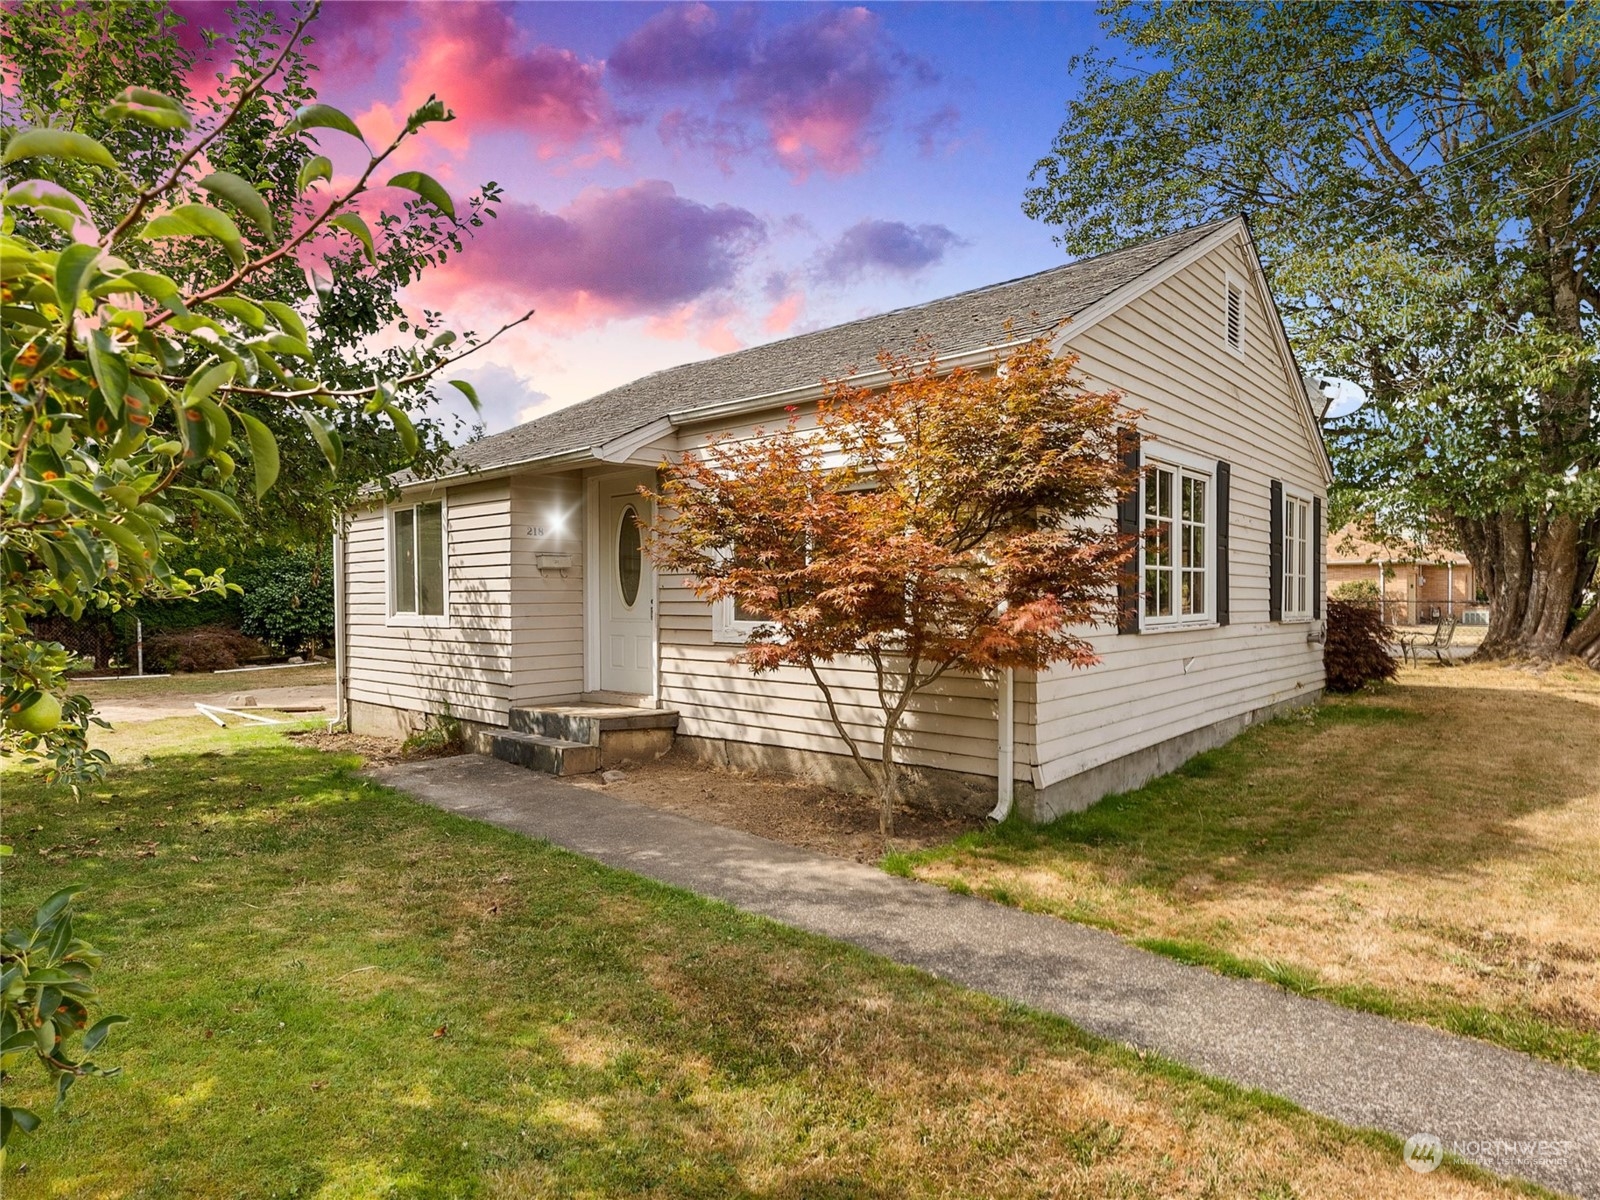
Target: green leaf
{"x":57,"y":143}
{"x":282,"y":343}
{"x":19,"y":1118}
{"x":97,"y":1032}
{"x":146,"y":283}
{"x":403,"y":426}
{"x":353,"y":224}
{"x":241,"y":309}
{"x":263,"y":451}
{"x":194,"y":431}
{"x":42,"y":194}
{"x":224,"y":504}
{"x":288,"y":320}
{"x":134,"y":553}
{"x":41,"y":977}
{"x":56,"y":905}
{"x":72,"y":268}
{"x":110,"y":369}
{"x":428,"y":188}
{"x":327,"y":440}
{"x":78,"y":493}
{"x":323,"y":116}
{"x":430,"y":111}
{"x":197,"y":220}
{"x":240,"y":193}
{"x":318,"y":166}
{"x":206,"y":380}
{"x":470,"y":392}
{"x":151,"y":107}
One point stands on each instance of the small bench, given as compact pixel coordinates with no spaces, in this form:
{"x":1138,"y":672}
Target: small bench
{"x":1414,"y":645}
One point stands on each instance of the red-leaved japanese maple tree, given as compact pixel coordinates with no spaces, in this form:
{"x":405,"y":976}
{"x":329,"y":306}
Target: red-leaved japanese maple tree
{"x":949,"y":521}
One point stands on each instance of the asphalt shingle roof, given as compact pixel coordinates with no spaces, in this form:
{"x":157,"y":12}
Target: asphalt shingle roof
{"x":966,"y":321}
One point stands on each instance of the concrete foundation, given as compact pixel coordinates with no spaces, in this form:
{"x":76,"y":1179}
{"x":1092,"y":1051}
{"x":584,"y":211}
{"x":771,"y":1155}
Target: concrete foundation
{"x":380,"y":720}
{"x":1134,"y":770}
{"x":950,"y":791}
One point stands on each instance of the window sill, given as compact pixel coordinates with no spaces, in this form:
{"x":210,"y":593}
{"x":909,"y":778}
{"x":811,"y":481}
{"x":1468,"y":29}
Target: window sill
{"x":1178,"y":626}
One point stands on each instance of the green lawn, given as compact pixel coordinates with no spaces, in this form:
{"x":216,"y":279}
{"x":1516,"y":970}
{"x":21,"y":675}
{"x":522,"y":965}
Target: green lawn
{"x":338,"y":993}
{"x":1430,"y":851}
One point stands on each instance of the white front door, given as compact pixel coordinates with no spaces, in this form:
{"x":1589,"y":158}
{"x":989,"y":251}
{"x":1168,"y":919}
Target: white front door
{"x":627,"y":591}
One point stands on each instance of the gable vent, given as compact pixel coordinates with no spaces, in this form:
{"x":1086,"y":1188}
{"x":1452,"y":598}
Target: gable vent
{"x":1235,"y":317}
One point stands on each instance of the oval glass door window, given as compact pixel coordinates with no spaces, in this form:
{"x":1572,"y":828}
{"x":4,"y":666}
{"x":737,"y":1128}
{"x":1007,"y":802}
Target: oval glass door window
{"x":630,"y":563}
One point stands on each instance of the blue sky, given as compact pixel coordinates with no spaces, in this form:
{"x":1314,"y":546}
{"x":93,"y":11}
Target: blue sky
{"x":682,"y":180}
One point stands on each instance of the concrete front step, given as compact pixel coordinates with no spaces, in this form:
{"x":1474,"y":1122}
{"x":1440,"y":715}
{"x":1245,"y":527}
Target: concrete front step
{"x":574,"y":739}
{"x":553,"y":756}
{"x":591,"y":723}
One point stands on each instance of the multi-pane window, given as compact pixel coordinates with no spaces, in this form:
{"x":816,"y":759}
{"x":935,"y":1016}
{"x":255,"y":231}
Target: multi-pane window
{"x":416,"y":559}
{"x":1177,"y":544}
{"x":1297,"y":535}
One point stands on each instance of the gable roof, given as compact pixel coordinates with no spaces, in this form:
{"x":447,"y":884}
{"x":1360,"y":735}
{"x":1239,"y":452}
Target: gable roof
{"x":967,"y":321}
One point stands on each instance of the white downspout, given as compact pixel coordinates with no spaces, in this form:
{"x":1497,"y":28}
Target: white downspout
{"x":341,"y":716}
{"x":1005,"y":757}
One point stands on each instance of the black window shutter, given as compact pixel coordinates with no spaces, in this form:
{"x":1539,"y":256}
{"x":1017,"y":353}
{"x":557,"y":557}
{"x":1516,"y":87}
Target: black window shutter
{"x":1316,"y":558}
{"x":1224,"y":484}
{"x":1275,"y":556}
{"x":1128,"y":523}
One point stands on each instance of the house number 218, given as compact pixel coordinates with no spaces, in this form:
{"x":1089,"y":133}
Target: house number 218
{"x":534,"y":530}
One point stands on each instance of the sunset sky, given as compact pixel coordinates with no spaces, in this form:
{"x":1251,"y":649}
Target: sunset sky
{"x":686,"y":180}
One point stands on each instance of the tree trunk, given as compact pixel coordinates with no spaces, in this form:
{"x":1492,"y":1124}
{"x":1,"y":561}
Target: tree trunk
{"x":1535,"y":577}
{"x":888,"y":777}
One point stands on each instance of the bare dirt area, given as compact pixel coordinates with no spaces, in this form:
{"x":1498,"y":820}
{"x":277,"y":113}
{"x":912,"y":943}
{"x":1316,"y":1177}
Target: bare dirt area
{"x":154,"y":697}
{"x":374,"y":751}
{"x":798,"y":813}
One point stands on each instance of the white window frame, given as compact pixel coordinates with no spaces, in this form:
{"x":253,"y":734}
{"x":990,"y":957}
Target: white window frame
{"x":725,"y":627}
{"x":396,"y":616}
{"x":1194,"y":467}
{"x":1232,"y":285}
{"x":1299,"y":555}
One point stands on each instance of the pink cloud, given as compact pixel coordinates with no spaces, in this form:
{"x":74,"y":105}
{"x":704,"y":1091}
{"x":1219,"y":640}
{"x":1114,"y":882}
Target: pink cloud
{"x":784,"y":314}
{"x":480,"y":64}
{"x":348,"y":40}
{"x":641,"y":250}
{"x":818,"y":88}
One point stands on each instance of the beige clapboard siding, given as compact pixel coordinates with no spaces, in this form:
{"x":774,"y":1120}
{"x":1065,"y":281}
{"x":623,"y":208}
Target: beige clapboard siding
{"x":462,"y":664}
{"x":1165,"y":352}
{"x":951,"y":727}
{"x":546,"y":607}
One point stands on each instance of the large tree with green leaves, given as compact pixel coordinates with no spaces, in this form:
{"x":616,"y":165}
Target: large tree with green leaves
{"x":1423,"y":180}
{"x":149,"y":366}
{"x":65,"y":63}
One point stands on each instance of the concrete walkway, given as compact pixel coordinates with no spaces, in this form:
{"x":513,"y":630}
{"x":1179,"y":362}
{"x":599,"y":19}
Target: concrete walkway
{"x":1503,"y":1110}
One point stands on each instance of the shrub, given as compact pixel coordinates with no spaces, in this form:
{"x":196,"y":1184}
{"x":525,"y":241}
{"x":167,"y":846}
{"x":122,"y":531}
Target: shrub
{"x":1357,"y":649}
{"x":1357,"y":589}
{"x":288,"y":599}
{"x":209,"y":648}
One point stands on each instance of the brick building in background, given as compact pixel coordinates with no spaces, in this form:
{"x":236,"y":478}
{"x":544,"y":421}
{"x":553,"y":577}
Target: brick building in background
{"x":1418,"y":583}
